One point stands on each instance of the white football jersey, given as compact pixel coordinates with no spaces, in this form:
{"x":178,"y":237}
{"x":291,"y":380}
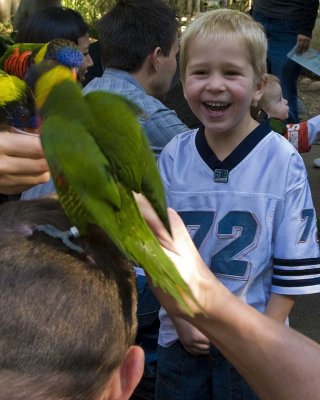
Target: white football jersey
{"x":251,"y":216}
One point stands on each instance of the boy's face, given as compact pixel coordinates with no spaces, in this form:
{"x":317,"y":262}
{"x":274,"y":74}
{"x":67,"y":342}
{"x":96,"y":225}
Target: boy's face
{"x":220,"y":84}
{"x":277,"y":106}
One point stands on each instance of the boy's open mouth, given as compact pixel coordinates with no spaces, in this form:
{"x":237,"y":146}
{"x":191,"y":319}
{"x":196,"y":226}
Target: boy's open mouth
{"x":216,"y":106}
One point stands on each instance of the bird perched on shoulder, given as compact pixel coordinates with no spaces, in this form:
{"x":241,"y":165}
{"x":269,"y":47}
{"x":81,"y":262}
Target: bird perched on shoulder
{"x":98,"y":154}
{"x":19,"y":57}
{"x":17,"y":107}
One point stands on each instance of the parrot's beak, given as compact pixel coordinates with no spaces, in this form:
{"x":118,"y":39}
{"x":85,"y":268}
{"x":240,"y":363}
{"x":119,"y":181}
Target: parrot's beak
{"x":75,"y":73}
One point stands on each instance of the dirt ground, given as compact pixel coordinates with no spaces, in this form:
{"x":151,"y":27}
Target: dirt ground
{"x":310,"y":99}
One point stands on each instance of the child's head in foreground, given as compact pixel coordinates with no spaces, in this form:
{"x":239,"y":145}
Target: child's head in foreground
{"x":272,"y":102}
{"x":223,"y":65}
{"x":67,"y":321}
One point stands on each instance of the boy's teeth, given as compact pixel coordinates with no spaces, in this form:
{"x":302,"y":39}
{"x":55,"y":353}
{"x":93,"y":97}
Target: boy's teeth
{"x":216,"y":106}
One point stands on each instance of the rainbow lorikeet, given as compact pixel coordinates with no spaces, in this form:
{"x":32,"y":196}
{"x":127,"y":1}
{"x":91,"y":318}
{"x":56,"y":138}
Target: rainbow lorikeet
{"x":18,"y":58}
{"x":98,"y":154}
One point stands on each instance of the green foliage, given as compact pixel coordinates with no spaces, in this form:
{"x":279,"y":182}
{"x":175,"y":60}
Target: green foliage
{"x":91,"y":10}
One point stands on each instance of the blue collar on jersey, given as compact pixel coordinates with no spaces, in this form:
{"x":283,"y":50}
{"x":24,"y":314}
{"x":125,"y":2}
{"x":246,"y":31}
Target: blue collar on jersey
{"x":221,"y":169}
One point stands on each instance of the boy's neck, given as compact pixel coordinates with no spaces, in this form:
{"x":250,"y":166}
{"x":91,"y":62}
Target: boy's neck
{"x":224,"y":144}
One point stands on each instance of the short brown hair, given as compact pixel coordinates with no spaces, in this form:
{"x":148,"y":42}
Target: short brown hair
{"x":63,"y":314}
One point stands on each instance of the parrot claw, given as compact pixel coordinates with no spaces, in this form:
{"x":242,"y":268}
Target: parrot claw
{"x":65,"y":236}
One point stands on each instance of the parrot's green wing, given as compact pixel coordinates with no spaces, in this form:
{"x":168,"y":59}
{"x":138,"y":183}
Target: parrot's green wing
{"x":152,"y":185}
{"x":122,"y":139}
{"x":78,"y":166}
{"x":73,"y":156}
{"x":118,"y":135}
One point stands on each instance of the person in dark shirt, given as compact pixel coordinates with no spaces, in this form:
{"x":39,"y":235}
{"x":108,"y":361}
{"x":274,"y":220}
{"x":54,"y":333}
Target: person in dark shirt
{"x":287,"y":24}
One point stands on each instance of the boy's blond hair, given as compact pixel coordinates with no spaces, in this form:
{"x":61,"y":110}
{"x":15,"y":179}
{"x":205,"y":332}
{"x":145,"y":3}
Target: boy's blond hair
{"x":220,"y":24}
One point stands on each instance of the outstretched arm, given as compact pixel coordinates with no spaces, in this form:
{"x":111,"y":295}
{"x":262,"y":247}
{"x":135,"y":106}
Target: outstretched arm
{"x":277,"y":362}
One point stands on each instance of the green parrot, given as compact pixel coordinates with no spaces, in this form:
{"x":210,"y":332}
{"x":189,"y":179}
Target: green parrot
{"x":278,"y":125}
{"x":17,"y":106}
{"x":98,"y":155}
{"x":18,"y":58}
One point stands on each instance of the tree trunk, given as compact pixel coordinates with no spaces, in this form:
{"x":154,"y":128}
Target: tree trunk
{"x":196,"y":6}
{"x":8,"y":8}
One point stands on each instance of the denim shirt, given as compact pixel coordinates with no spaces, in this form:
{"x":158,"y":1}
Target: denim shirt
{"x":159,"y":122}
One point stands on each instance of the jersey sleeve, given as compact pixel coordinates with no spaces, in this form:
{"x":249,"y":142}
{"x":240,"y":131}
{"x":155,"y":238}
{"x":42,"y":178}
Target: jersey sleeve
{"x":313,"y":128}
{"x":296,"y":248}
{"x":302,"y":135}
{"x":298,"y":136}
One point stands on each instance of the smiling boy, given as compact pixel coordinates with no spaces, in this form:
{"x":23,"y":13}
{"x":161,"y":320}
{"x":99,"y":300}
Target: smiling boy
{"x":253,"y":222}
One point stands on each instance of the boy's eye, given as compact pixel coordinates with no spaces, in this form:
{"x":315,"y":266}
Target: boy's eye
{"x":199,"y":72}
{"x":231,"y":73}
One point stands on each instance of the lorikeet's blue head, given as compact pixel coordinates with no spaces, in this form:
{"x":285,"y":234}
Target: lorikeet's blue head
{"x":69,"y":57}
{"x":62,"y":51}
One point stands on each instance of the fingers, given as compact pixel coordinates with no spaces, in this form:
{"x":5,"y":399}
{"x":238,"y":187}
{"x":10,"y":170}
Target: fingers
{"x":22,"y":163}
{"x":12,"y":184}
{"x":18,"y":166}
{"x":303,"y":43}
{"x":26,"y":146}
{"x":198,"y":349}
{"x":153,"y":220}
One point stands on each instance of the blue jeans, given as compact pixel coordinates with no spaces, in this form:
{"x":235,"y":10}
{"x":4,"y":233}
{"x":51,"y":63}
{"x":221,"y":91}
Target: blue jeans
{"x":147,"y":338}
{"x":183,"y":376}
{"x":282,"y":37}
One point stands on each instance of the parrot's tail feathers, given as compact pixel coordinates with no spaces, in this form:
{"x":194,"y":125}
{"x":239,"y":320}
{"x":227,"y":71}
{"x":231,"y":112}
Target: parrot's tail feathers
{"x":150,"y":256}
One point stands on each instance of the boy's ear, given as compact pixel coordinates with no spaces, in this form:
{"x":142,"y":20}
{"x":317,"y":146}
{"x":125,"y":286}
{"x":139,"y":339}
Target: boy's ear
{"x":126,"y":377}
{"x":259,"y":88}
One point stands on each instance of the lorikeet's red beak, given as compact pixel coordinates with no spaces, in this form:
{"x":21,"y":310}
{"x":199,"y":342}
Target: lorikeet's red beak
{"x":74,"y":73}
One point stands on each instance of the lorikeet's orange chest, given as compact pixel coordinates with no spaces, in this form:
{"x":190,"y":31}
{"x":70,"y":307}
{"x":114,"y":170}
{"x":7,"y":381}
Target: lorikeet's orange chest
{"x":17,"y":64}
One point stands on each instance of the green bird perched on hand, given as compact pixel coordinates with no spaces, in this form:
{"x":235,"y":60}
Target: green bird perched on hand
{"x":17,"y":107}
{"x":19,"y":57}
{"x":98,"y":155}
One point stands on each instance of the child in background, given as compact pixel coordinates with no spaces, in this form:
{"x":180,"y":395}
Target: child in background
{"x":253,"y":222}
{"x":272,"y":105}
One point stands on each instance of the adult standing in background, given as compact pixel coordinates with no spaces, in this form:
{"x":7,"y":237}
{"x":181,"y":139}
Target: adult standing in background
{"x":287,"y":24}
{"x":139,"y":43}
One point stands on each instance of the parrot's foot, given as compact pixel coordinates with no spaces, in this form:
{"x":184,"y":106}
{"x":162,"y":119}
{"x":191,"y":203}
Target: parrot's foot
{"x":65,"y":236}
